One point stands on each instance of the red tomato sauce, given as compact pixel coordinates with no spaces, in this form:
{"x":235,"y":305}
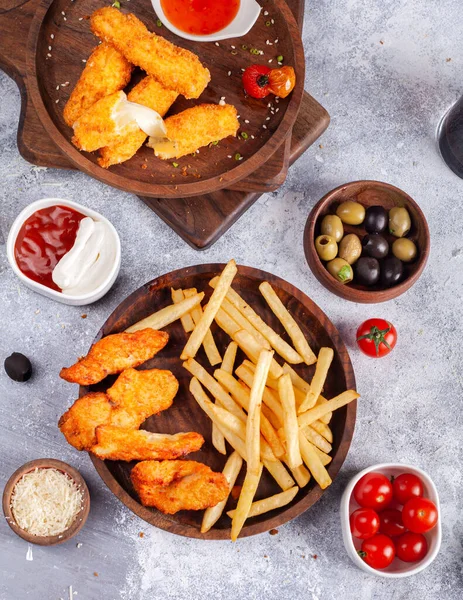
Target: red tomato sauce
{"x":200,"y":17}
{"x":43,"y":239}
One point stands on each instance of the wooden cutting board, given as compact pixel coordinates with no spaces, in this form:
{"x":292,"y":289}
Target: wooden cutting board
{"x":199,"y":220}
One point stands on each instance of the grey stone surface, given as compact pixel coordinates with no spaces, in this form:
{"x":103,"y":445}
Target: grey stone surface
{"x":386,"y":71}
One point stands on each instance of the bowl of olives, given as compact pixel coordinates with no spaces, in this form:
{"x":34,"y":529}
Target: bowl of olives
{"x":367,"y":241}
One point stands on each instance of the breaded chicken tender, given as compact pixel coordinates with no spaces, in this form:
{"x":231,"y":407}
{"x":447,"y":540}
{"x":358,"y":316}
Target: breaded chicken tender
{"x":175,"y":68}
{"x":195,"y":127}
{"x":107,"y":71}
{"x":113,"y":354}
{"x":152,"y":94}
{"x":136,"y":395}
{"x":173,"y":485}
{"x":116,"y":443}
{"x":78,"y":424}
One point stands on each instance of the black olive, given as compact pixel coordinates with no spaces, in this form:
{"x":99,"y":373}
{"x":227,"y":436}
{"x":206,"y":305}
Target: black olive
{"x":18,"y":367}
{"x":375,"y":245}
{"x":366,"y":271}
{"x":391,"y":271}
{"x":376,"y":219}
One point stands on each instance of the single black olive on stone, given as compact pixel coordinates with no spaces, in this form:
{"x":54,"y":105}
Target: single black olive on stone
{"x":366,"y":271}
{"x":18,"y":367}
{"x":375,"y":245}
{"x":376,"y":219}
{"x":391,"y":271}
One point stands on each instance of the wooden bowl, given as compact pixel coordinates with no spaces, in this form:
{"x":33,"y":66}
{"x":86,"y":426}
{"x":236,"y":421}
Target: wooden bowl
{"x":368,"y":193}
{"x":60,"y":39}
{"x":186,"y":415}
{"x":79,"y":521}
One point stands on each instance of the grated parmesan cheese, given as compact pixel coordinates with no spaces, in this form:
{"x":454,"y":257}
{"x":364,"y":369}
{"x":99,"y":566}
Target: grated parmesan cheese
{"x":45,"y":502}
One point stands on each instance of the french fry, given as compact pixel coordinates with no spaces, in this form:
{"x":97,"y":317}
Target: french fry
{"x":290,"y":424}
{"x":292,"y":328}
{"x":252,"y":349}
{"x":301,"y":475}
{"x":325,"y":458}
{"x":323,"y":430}
{"x":326,"y":418}
{"x":316,"y":439}
{"x":196,"y":338}
{"x":269,"y":398}
{"x":209,"y":345}
{"x":243,"y":323}
{"x":248,"y":491}
{"x":277,"y":342}
{"x":318,"y":411}
{"x":298,"y":382}
{"x":218,"y":440}
{"x":277,"y":470}
{"x":265,"y":505}
{"x":268,"y":413}
{"x":271,"y":382}
{"x":167,"y":315}
{"x":228,"y":363}
{"x":225,"y":322}
{"x":313,"y":461}
{"x":325,"y":357}
{"x":187,"y":321}
{"x":231,"y":471}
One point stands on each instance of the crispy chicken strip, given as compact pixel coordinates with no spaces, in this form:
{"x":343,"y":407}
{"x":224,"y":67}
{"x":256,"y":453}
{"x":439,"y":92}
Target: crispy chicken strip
{"x":116,"y":443}
{"x":195,"y":127}
{"x":173,"y":485}
{"x":136,"y":395}
{"x":78,"y":424}
{"x":152,"y":94}
{"x":175,"y":68}
{"x":107,"y":71}
{"x":113,"y":354}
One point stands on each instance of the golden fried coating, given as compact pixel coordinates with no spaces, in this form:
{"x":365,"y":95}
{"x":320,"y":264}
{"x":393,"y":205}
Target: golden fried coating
{"x":113,"y":354}
{"x":136,"y":395}
{"x":196,"y":127}
{"x":175,"y":68}
{"x":173,"y":485}
{"x":107,"y":71}
{"x":78,"y":424}
{"x":116,"y":443}
{"x":152,"y":94}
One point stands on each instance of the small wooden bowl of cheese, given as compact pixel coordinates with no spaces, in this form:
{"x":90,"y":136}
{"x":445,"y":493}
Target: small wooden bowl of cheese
{"x":46,"y":502}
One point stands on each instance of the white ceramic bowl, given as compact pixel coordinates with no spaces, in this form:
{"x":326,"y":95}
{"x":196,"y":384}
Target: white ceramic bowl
{"x":397,"y":568}
{"x":42,"y":289}
{"x":245,"y":18}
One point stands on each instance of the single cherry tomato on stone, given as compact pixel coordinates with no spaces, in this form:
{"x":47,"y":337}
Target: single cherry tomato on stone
{"x":419,"y":515}
{"x":407,"y":486}
{"x":364,"y":523}
{"x":391,"y":522}
{"x":411,"y":547}
{"x":378,"y":551}
{"x":373,"y":490}
{"x":282,"y":81}
{"x":376,"y":337}
{"x":256,"y":81}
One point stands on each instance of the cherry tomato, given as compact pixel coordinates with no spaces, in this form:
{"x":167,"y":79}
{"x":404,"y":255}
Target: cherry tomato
{"x":364,"y":523}
{"x":378,"y":551}
{"x":419,"y":515}
{"x":282,"y":81}
{"x":373,"y":490}
{"x":256,"y":81}
{"x":376,"y":337}
{"x":391,"y":522}
{"x":407,"y":486}
{"x":411,"y":547}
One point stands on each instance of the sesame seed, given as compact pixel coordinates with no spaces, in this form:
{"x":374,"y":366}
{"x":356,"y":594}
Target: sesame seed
{"x":267,"y":119}
{"x":52,"y":36}
{"x":81,"y":18}
{"x":57,"y":87}
{"x":222,"y":102}
{"x":64,"y":19}
{"x":56,"y":101}
{"x":63,"y":13}
{"x":277,"y":109}
{"x":222,"y":97}
{"x":276,"y":41}
{"x":264,"y":126}
{"x":229,"y":156}
{"x":253,"y":137}
{"x":84,"y":60}
{"x":217,"y":44}
{"x":270,"y":60}
{"x":243,"y":70}
{"x":232,"y":47}
{"x":279,"y":63}
{"x":272,"y":21}
{"x":49,"y":55}
{"x":246,"y":121}
{"x":49,"y":48}
{"x":229,"y":73}
{"x":265,"y":13}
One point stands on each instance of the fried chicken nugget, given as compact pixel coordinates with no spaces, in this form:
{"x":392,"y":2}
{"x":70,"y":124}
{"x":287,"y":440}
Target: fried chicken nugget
{"x":152,"y":94}
{"x":175,"y":68}
{"x":136,"y":395}
{"x":195,"y":127}
{"x":79,"y":422}
{"x":173,"y":485}
{"x":113,"y":354}
{"x":117,"y":443}
{"x":107,"y":71}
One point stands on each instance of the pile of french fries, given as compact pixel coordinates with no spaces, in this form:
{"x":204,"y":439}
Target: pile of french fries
{"x":270,"y":416}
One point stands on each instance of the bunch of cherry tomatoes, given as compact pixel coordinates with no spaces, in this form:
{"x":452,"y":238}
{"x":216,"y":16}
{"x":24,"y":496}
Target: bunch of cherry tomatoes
{"x":389,"y":532}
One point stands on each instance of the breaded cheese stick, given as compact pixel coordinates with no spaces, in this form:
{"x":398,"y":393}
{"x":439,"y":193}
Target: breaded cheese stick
{"x":107,"y":71}
{"x":175,"y":68}
{"x":152,"y":94}
{"x":195,"y":127}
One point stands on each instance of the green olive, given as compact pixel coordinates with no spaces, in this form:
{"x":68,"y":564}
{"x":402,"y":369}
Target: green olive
{"x":351,"y":212}
{"x":404,"y":249}
{"x":399,"y":221}
{"x":340,"y":270}
{"x":332,"y":225}
{"x":326,"y":247}
{"x":350,"y":248}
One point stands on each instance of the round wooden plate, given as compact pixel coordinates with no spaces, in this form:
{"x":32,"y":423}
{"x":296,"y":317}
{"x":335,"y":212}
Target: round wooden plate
{"x":186,"y":415}
{"x":60,"y":39}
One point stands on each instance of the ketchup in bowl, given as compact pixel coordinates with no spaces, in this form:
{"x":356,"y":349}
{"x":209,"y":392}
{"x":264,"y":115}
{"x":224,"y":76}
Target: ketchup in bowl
{"x":200,"y":17}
